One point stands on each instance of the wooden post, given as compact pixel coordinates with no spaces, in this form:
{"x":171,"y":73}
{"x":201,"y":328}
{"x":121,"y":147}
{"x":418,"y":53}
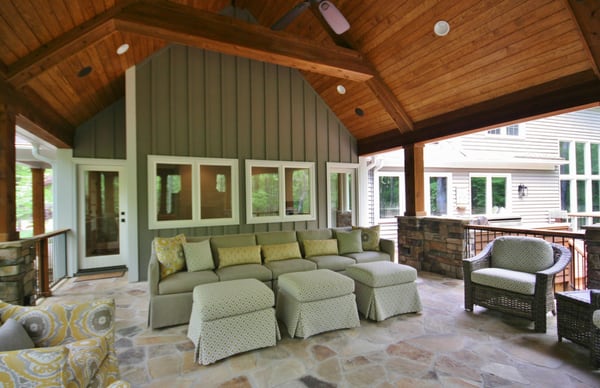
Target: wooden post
{"x":39,"y":218}
{"x":8,"y":208}
{"x":414,"y":178}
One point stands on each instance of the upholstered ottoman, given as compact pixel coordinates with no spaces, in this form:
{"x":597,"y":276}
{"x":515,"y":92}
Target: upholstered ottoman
{"x":312,"y":302}
{"x":384,"y":289}
{"x":231,"y":317}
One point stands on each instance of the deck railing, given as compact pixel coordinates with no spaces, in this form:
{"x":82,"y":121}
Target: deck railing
{"x":574,"y":277}
{"x":50,"y":261}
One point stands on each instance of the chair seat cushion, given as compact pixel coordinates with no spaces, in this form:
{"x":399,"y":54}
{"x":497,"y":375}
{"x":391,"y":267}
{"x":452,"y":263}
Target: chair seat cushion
{"x":518,"y":253}
{"x":505,"y":279}
{"x":369,"y":256}
{"x":382,"y":273}
{"x":315,"y":285}
{"x":280,"y":267}
{"x":185,"y":281}
{"x":229,"y":298}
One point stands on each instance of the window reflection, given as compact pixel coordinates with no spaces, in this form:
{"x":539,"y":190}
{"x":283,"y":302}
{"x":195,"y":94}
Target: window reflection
{"x":265,"y":191}
{"x":174,"y":191}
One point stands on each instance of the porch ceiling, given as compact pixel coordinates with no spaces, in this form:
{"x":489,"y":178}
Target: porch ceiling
{"x":503,"y":61}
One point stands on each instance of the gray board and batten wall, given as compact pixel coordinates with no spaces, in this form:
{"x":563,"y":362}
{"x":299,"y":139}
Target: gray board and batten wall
{"x":198,"y":103}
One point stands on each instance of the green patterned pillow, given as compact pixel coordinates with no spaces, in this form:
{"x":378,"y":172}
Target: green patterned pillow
{"x":320,"y":247}
{"x":349,"y":242}
{"x":198,"y":256}
{"x":169,"y":252}
{"x":239,"y":255}
{"x":370,"y":237}
{"x":281,"y":252}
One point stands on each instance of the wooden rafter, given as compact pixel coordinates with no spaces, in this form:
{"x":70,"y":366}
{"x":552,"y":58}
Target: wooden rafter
{"x":197,"y":28}
{"x":586,"y":15}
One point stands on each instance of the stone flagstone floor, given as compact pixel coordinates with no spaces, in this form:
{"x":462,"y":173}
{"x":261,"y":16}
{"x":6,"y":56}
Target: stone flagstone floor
{"x":443,"y":346}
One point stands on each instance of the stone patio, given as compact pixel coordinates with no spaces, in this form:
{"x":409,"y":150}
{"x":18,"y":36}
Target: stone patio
{"x":444,"y":346}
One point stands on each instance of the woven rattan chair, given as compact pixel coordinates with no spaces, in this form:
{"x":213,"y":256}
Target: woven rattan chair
{"x":515,"y":275}
{"x":595,"y":329}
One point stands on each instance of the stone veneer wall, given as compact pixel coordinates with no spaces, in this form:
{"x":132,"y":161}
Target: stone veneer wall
{"x":17,"y":274}
{"x":592,"y":241}
{"x":432,"y":244}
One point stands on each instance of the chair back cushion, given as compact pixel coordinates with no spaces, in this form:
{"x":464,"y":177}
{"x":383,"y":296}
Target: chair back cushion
{"x":525,"y":254}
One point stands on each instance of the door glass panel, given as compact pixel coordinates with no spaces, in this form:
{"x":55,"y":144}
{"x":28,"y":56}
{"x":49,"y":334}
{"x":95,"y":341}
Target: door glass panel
{"x":101,"y":213}
{"x":341,"y":200}
{"x":389,"y":196}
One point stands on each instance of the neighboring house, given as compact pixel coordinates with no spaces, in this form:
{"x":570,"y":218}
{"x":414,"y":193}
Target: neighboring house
{"x":554,"y":161}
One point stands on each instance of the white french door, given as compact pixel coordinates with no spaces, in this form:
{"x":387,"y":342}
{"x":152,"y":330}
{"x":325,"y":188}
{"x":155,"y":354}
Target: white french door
{"x":102,"y":217}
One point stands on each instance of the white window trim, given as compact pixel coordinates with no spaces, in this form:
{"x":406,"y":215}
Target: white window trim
{"x":195,"y":163}
{"x":348,"y":168}
{"x":573,"y":176}
{"x":401,"y":193}
{"x":488,"y":193}
{"x":449,"y":197}
{"x":282,"y":217}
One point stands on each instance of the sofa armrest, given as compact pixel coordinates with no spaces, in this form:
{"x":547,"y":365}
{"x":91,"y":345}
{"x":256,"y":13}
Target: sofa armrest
{"x":388,"y":247}
{"x":153,"y":273}
{"x":34,"y":367}
{"x":482,"y":260}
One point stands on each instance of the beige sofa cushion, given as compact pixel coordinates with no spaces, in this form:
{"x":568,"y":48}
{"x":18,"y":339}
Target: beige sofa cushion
{"x":526,"y":254}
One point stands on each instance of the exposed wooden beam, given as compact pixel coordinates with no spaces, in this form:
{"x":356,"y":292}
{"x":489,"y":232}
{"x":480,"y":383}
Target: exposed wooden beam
{"x":34,"y":115}
{"x":197,"y":28}
{"x":586,"y":14}
{"x":573,"y":92}
{"x":50,"y":55}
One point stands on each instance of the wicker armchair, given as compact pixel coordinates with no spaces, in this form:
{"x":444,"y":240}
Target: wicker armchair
{"x":595,"y":328}
{"x":515,"y":275}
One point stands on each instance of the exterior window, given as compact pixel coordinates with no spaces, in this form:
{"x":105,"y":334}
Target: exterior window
{"x":280,"y":191}
{"x":509,"y":130}
{"x":173,"y":191}
{"x":579,"y":180}
{"x":438,"y":195}
{"x":389,"y":196}
{"x":189,"y":192}
{"x":489,"y":194}
{"x":341,"y":194}
{"x":265,"y":192}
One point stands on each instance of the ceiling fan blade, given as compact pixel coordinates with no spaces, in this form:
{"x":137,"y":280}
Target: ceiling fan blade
{"x":333,"y":17}
{"x":290,"y":16}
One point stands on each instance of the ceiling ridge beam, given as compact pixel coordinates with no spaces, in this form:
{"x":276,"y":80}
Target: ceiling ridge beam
{"x":197,"y":28}
{"x":66,"y":45}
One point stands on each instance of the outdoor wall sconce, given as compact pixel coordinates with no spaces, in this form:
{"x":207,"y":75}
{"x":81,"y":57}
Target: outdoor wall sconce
{"x":522,"y":190}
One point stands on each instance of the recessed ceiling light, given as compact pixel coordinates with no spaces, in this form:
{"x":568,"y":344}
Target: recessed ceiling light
{"x":84,"y":71}
{"x":359,"y":112}
{"x":341,"y":89}
{"x":441,"y":28}
{"x":123,"y":49}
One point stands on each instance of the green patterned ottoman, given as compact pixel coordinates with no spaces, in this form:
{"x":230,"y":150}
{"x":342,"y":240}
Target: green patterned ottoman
{"x":231,"y":317}
{"x":312,"y":302}
{"x":385,"y":289}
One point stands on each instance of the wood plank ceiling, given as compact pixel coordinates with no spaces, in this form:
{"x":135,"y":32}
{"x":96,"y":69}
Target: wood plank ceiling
{"x":503,"y":60}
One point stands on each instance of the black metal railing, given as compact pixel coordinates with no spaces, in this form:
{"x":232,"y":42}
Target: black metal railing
{"x":574,"y":277}
{"x":50,"y":260}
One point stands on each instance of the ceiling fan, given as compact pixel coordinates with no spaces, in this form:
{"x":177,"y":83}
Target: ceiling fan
{"x":331,"y":14}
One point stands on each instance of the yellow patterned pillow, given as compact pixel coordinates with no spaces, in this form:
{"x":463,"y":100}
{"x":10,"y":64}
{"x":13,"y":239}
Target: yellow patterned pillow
{"x":281,"y":252}
{"x":32,"y":367}
{"x":169,"y":252}
{"x":239,"y":255}
{"x":320,"y":247}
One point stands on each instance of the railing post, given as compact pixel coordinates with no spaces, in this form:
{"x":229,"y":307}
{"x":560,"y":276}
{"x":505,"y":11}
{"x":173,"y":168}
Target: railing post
{"x":41,"y":248}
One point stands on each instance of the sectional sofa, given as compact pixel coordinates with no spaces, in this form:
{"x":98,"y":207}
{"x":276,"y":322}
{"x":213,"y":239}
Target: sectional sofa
{"x":178,"y":264}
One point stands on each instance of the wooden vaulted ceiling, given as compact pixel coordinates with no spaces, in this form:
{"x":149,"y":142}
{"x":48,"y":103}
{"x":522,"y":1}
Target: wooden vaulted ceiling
{"x":503,"y":60}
